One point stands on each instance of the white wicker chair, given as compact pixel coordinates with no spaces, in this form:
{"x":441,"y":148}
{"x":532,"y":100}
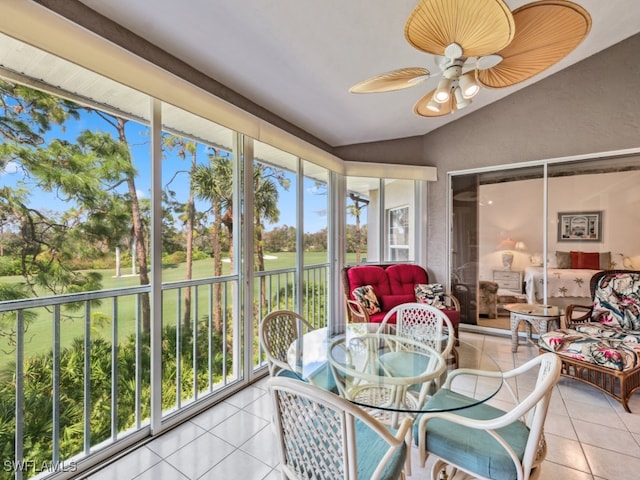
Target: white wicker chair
{"x":277,"y":330}
{"x":482,"y":441}
{"x":325,"y":437}
{"x":426,"y":324}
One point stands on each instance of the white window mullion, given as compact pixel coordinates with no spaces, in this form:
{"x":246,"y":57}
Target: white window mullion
{"x":156,"y":266}
{"x":336,"y":243}
{"x":299,"y":237}
{"x":243,"y":233}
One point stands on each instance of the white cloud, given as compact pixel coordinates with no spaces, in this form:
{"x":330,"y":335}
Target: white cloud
{"x":9,"y":168}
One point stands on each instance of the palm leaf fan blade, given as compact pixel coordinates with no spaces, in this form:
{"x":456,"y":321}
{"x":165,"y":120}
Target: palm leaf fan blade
{"x":480,"y":27}
{"x":394,"y":80}
{"x":546,"y":32}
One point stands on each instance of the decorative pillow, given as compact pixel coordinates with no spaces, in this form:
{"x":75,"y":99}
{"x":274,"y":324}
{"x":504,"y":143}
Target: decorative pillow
{"x":431,"y":294}
{"x":367,"y":298}
{"x":590,"y":260}
{"x":563,"y":260}
{"x":536,"y":259}
{"x":605,"y":260}
{"x":616,"y":301}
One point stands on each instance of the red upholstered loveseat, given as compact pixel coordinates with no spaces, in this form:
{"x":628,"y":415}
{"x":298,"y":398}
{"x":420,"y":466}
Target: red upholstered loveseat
{"x":392,"y":285}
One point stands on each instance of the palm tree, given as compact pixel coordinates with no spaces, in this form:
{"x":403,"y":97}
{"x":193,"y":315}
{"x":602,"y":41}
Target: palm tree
{"x":214,"y":183}
{"x":265,"y":208}
{"x":355,"y":210}
{"x":186,"y":148}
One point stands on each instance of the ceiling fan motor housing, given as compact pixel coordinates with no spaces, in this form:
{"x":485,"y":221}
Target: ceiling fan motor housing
{"x":452,"y":72}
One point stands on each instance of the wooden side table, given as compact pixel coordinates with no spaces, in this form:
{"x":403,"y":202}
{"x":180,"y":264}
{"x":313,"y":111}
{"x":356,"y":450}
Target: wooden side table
{"x":538,"y":316}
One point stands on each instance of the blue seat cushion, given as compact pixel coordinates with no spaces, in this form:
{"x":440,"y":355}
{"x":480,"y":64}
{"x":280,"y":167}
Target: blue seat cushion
{"x":404,"y":364}
{"x":370,"y":450}
{"x":475,"y":450}
{"x":322,"y":377}
{"x":288,"y":374}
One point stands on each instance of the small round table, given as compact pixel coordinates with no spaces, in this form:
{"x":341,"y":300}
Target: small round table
{"x":540,"y":316}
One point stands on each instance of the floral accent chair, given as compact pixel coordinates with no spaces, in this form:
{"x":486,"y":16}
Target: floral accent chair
{"x":601,"y":342}
{"x":617,"y":301}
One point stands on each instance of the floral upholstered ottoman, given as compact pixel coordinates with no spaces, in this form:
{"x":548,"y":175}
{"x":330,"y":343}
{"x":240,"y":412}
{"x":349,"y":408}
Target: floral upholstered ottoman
{"x":604,"y":356}
{"x":604,"y":345}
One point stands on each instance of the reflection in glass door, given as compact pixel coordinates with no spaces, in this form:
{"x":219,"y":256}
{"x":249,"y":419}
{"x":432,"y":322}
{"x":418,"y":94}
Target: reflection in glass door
{"x":497,"y":220}
{"x":537,"y":233}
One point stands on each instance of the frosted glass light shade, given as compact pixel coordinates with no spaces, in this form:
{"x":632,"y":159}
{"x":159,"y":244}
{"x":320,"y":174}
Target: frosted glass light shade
{"x":443,"y":91}
{"x":469,"y":86}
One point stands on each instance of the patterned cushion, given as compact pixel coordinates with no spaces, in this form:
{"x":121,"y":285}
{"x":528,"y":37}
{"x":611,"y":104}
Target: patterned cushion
{"x":607,"y":346}
{"x":366,"y":296}
{"x":617,"y":300}
{"x":431,"y":294}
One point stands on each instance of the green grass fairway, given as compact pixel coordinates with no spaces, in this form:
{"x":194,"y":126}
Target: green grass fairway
{"x":40,"y":332}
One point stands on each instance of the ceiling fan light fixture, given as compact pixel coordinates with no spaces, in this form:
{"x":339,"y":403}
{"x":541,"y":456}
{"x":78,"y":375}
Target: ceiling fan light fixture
{"x":443,"y":91}
{"x":433,"y":106}
{"x":461,"y":100}
{"x":468,"y":85}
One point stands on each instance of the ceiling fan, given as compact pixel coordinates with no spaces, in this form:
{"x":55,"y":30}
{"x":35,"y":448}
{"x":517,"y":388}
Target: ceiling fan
{"x":481,"y":43}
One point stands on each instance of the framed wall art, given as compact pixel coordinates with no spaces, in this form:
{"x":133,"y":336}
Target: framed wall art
{"x":580,"y":226}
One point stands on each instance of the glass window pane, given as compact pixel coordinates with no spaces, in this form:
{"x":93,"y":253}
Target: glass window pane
{"x":275,"y":228}
{"x":400,"y":212}
{"x":74,"y":218}
{"x":197,"y":239}
{"x":197,"y":187}
{"x":362,"y":229}
{"x":315,"y":256}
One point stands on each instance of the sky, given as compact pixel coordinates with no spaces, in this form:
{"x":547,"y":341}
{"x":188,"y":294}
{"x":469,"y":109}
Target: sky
{"x":315,"y":206}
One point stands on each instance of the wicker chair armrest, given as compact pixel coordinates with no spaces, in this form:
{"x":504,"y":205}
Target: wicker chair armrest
{"x":452,"y":301}
{"x":357,"y":314}
{"x":576,"y":314}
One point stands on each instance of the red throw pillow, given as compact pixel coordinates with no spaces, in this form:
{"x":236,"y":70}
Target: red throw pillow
{"x":590,"y":260}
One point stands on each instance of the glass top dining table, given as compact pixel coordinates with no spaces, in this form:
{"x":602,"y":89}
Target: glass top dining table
{"x":378,"y":369}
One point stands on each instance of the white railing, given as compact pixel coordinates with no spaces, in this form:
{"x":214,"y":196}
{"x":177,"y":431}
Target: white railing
{"x":80,"y":363}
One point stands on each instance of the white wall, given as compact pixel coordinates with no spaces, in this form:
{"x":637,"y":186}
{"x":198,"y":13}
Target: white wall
{"x":515,"y":209}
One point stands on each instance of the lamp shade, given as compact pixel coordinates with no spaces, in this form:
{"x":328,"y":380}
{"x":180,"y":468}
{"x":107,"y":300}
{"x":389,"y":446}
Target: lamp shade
{"x":506,"y":244}
{"x":520,"y":246}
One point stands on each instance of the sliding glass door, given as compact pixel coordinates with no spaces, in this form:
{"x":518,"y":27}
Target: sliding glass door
{"x":536,"y":233}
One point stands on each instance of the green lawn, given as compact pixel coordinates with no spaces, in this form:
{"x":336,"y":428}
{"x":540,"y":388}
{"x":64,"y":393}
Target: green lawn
{"x":40,"y":333}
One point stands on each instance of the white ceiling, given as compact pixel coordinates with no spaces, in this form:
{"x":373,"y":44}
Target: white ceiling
{"x":299,"y":58}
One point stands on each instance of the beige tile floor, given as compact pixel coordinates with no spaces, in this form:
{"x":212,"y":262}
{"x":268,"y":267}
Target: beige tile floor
{"x":589,"y":436}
